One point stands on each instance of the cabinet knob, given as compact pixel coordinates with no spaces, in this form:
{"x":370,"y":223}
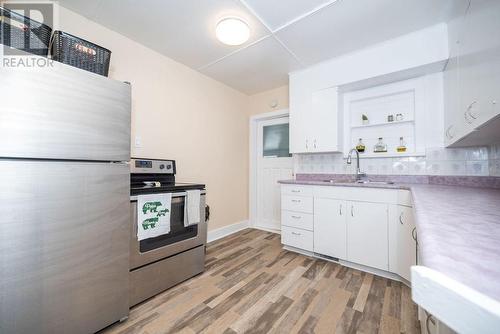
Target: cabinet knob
{"x":401,"y":218}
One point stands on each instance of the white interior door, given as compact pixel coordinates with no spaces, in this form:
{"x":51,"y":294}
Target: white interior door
{"x":274,"y":163}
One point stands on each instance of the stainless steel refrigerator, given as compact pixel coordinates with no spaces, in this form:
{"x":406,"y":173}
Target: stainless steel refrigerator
{"x":64,"y":200}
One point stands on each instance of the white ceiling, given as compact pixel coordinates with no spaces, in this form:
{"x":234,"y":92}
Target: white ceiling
{"x":286,"y":34}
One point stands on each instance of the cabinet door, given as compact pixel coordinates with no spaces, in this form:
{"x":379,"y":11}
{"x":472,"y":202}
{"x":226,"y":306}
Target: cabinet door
{"x":330,"y":230}
{"x":367,"y":234}
{"x":407,"y":247}
{"x":451,"y":82}
{"x":324,"y":128}
{"x":300,"y":107}
{"x":480,"y":61}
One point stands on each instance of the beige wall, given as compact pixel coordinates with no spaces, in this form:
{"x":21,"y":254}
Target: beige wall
{"x":260,"y":103}
{"x":183,"y":115}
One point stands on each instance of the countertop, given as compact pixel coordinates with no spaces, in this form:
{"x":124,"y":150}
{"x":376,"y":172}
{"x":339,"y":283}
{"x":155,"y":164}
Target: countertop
{"x":458,"y":230}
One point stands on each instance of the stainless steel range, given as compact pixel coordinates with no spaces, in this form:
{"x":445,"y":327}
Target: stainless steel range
{"x":161,"y":262}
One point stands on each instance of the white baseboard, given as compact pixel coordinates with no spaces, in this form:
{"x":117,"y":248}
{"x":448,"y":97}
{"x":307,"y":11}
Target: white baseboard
{"x":227,"y":230}
{"x":262,"y":228}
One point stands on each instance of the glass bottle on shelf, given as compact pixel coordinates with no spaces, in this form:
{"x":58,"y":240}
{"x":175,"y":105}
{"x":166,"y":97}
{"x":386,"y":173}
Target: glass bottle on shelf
{"x":380,"y":147}
{"x":360,"y":147}
{"x":402,"y":146}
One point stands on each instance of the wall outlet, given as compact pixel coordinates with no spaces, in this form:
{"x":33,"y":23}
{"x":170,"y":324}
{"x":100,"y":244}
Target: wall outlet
{"x":138,"y":141}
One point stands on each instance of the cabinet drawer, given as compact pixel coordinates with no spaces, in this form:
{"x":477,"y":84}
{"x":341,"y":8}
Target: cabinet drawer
{"x":297,"y":220}
{"x":297,"y":238}
{"x":297,"y":203}
{"x":296,"y":190}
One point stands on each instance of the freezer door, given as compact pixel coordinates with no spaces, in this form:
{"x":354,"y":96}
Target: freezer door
{"x":61,"y":112}
{"x":64,"y":246}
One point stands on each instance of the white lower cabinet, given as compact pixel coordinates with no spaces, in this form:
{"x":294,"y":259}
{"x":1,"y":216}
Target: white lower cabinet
{"x":297,"y":217}
{"x":406,"y":242}
{"x":367,"y":238}
{"x":367,"y":226}
{"x":330,"y":227}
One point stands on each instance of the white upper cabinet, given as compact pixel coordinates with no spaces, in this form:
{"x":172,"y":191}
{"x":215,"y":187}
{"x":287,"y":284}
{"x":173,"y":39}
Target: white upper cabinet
{"x":472,"y":76}
{"x":314,"y":121}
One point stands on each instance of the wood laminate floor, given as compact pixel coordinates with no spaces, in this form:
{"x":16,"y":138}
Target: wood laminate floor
{"x":252,"y":285}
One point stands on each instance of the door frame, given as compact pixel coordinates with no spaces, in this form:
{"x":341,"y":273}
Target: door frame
{"x":252,"y":196}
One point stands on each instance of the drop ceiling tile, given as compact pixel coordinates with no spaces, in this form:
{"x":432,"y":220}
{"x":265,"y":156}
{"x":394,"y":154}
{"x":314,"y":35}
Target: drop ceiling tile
{"x":184,"y":30}
{"x":346,"y":26}
{"x":85,"y":8}
{"x":259,"y":67}
{"x":278,"y":13}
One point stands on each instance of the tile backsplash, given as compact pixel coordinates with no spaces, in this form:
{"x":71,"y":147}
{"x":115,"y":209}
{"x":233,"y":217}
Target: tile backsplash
{"x":474,"y":161}
{"x":494,"y":160}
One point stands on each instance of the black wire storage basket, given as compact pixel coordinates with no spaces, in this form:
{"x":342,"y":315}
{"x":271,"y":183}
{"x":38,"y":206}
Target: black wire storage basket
{"x":22,"y":33}
{"x":77,"y":52}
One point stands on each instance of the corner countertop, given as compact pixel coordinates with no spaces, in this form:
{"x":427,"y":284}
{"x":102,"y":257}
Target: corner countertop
{"x":458,"y":230}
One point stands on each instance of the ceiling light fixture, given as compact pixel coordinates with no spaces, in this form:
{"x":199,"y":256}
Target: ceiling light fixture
{"x":232,"y":31}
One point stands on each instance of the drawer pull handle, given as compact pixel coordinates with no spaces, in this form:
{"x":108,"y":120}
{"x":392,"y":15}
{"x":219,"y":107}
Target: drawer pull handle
{"x":431,"y":319}
{"x":401,"y":218}
{"x":295,"y":191}
{"x":296,"y":217}
{"x":295,"y":233}
{"x":414,"y":234}
{"x":352,"y":210}
{"x":340,"y":210}
{"x":296,"y":200}
{"x":449,"y":135}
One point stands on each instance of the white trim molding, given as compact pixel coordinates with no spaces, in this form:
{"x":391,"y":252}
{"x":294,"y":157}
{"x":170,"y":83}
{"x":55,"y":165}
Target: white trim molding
{"x":272,"y":230}
{"x":227,"y":230}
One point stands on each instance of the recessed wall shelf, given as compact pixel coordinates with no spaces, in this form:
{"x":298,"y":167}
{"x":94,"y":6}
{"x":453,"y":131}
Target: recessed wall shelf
{"x":381,"y":124}
{"x":403,"y":98}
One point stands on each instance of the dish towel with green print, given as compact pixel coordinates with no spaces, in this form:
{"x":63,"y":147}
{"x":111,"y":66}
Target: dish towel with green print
{"x":153,"y":215}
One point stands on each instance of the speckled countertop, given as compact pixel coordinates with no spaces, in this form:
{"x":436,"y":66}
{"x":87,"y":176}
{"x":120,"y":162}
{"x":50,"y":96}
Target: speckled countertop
{"x":458,"y":230}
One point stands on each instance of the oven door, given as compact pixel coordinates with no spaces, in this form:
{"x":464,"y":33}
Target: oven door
{"x":178,"y":240}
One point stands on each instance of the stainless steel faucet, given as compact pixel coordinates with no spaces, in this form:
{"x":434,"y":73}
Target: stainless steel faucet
{"x":359,"y":173}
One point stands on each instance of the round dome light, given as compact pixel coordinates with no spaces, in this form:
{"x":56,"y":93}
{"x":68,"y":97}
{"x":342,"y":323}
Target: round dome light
{"x":232,"y":31}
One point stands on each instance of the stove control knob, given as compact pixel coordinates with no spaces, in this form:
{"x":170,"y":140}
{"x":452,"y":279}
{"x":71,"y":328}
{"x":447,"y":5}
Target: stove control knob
{"x":169,"y":166}
{"x":162,"y":166}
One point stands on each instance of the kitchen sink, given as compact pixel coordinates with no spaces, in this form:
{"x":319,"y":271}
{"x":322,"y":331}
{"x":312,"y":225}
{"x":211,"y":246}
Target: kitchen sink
{"x":358,"y":181}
